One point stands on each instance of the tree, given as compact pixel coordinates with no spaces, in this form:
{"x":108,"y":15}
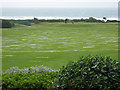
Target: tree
{"x":35,"y":20}
{"x":6,"y":24}
{"x":91,"y":19}
{"x":105,"y":19}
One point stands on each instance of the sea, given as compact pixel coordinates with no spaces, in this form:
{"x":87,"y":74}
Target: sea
{"x":59,"y":13}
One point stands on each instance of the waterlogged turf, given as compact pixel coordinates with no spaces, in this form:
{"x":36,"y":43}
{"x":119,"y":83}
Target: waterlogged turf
{"x":55,"y":44}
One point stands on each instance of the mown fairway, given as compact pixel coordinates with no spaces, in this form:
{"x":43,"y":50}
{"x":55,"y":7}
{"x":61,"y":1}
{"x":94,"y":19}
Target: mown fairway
{"x":55,"y":44}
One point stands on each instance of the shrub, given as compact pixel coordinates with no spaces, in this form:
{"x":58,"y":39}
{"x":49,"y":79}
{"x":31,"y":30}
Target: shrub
{"x":21,"y":80}
{"x":6,"y":24}
{"x":91,"y":72}
{"x":96,"y":72}
{"x":38,"y":77}
{"x":36,"y":69}
{"x":35,"y":20}
{"x":24,"y":22}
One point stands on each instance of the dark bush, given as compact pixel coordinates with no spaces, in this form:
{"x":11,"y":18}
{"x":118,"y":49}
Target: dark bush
{"x":91,"y":72}
{"x":6,"y":24}
{"x":35,"y":20}
{"x":19,"y":80}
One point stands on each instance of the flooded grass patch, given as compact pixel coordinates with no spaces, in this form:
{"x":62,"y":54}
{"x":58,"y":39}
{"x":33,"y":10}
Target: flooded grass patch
{"x":55,"y":46}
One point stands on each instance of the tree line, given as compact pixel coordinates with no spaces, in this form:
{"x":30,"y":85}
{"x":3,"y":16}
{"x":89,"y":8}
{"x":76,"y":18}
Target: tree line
{"x":28,"y":22}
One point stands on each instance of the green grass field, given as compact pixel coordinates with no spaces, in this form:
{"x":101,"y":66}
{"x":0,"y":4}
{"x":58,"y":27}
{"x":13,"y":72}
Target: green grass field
{"x":55,"y":44}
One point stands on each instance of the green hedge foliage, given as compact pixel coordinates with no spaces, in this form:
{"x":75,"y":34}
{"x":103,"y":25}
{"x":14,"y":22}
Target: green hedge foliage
{"x":91,"y":72}
{"x":28,"y":80}
{"x":6,"y":24}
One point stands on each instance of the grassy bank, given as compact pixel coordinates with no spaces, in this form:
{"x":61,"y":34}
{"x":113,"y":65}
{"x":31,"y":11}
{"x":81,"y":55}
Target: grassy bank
{"x":55,"y":44}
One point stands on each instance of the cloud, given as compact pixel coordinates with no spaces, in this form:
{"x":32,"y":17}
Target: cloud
{"x":59,"y":1}
{"x":61,"y":4}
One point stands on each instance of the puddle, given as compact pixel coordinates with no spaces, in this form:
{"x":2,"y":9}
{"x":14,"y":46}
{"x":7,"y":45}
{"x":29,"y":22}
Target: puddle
{"x":42,"y":51}
{"x":79,"y":42}
{"x":111,"y":41}
{"x":44,"y":38}
{"x":104,"y":42}
{"x":36,"y":61}
{"x":60,"y":32}
{"x":32,"y":37}
{"x":41,"y":57}
{"x":11,"y":48}
{"x":9,"y":55}
{"x":116,"y":49}
{"x":88,"y":43}
{"x":53,"y":51}
{"x":102,"y":37}
{"x":5,"y":46}
{"x":60,"y":47}
{"x":88,"y":47}
{"x":41,"y":41}
{"x":65,"y":38}
{"x":14,"y":45}
{"x":15,"y":48}
{"x":32,"y":44}
{"x":75,"y":50}
{"x":14,"y":42}
{"x":33,"y":47}
{"x":23,"y":39}
{"x":10,"y":40}
{"x":59,"y":43}
{"x":97,"y":35}
{"x":72,"y":43}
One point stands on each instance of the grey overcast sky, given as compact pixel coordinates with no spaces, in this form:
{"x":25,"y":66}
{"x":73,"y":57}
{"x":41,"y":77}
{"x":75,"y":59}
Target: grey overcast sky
{"x":59,"y":3}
